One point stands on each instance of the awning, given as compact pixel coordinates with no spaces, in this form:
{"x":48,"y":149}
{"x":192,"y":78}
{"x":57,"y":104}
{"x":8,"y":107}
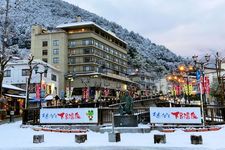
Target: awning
{"x":15,"y":96}
{"x":49,"y":97}
{"x":9,"y":86}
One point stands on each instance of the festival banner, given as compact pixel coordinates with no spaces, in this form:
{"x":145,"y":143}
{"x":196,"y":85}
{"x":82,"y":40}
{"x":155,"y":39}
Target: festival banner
{"x":38,"y":91}
{"x":69,"y":115}
{"x":179,"y":115}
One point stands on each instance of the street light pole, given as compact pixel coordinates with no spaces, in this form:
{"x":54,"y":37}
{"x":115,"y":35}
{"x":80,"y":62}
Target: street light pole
{"x":202,"y":89}
{"x":41,"y":72}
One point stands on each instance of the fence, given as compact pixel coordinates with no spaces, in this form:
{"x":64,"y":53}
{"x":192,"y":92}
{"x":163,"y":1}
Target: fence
{"x":213,"y":115}
{"x":31,"y":116}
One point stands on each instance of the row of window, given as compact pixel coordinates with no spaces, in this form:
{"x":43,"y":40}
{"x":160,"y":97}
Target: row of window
{"x":111,"y":67}
{"x":98,"y":53}
{"x":101,"y":33}
{"x":100,"y":45}
{"x":55,"y":60}
{"x":25,"y":72}
{"x":54,"y":43}
{"x":89,"y":59}
{"x":54,"y":52}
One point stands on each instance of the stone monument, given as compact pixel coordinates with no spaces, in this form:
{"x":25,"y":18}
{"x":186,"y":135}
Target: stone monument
{"x":126,"y":117}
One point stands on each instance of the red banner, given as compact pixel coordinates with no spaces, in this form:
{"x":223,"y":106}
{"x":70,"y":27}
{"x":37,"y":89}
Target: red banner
{"x":205,"y":85}
{"x":85,"y":93}
{"x":106,"y":91}
{"x":38,"y":91}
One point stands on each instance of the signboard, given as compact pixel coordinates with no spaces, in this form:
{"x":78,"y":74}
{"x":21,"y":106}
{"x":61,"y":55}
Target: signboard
{"x":179,"y":115}
{"x":198,"y":75}
{"x":69,"y":115}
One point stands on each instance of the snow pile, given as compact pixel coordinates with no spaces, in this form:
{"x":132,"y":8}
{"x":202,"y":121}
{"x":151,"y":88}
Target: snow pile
{"x":14,"y":137}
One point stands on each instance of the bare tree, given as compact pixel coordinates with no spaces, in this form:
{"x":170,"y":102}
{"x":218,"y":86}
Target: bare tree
{"x":4,"y":57}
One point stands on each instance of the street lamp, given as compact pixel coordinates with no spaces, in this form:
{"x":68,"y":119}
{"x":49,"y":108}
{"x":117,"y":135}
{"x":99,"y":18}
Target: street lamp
{"x":185,"y":72}
{"x":70,"y":77}
{"x":199,"y":73}
{"x":173,"y":79}
{"x":36,"y":68}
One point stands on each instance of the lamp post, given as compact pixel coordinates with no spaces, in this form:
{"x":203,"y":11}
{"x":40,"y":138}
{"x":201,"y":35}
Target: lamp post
{"x":36,"y":68}
{"x":173,"y":78}
{"x":70,"y":77}
{"x":185,"y":72}
{"x":200,"y":73}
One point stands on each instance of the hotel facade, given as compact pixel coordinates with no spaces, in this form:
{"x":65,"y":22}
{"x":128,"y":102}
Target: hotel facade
{"x":92,"y":60}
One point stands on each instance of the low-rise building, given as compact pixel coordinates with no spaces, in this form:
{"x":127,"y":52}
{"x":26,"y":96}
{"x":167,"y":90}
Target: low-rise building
{"x":17,"y":72}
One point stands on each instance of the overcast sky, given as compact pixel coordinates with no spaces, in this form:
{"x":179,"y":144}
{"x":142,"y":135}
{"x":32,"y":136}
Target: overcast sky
{"x":186,"y":27}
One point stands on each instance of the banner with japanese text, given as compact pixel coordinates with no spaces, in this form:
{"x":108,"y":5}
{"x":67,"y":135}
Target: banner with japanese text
{"x":180,"y":115}
{"x":69,"y":115}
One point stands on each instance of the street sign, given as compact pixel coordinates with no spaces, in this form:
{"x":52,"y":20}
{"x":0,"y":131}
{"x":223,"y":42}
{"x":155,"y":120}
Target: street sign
{"x":198,"y":75}
{"x":62,"y":94}
{"x":42,"y":93}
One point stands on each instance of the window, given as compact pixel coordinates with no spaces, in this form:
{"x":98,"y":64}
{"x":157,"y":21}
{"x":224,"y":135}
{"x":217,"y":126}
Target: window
{"x":88,"y":68}
{"x":45,"y":60}
{"x":71,"y":61}
{"x":55,"y":60}
{"x":55,"y":51}
{"x":55,"y":42}
{"x":87,"y":50}
{"x":45,"y":74}
{"x":72,"y":44}
{"x":54,"y":78}
{"x":25,"y":72}
{"x":87,"y":59}
{"x":44,"y":52}
{"x":7,"y":73}
{"x":87,"y":42}
{"x":44,"y":43}
{"x":111,"y":50}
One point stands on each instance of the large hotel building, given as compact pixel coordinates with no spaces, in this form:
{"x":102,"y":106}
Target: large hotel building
{"x":92,"y":61}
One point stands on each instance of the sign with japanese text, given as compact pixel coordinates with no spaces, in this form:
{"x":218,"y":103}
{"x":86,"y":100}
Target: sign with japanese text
{"x":180,"y":115}
{"x":69,"y":115}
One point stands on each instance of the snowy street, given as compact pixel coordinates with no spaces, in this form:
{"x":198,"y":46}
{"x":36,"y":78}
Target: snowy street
{"x":14,"y":137}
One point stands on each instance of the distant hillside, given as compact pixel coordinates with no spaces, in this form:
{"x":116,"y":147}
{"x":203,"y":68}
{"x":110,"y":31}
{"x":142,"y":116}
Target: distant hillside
{"x":49,"y":13}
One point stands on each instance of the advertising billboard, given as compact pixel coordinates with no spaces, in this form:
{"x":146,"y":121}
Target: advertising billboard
{"x":69,"y":115}
{"x":178,"y":115}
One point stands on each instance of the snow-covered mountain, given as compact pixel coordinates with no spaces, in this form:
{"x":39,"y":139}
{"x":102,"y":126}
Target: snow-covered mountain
{"x":49,"y":13}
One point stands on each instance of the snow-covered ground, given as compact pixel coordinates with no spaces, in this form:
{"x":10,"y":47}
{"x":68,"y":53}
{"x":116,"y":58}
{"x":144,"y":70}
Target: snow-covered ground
{"x":14,"y":137}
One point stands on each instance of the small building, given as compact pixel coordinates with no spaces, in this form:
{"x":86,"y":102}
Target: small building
{"x":145,"y":81}
{"x":17,"y":72}
{"x":12,"y":100}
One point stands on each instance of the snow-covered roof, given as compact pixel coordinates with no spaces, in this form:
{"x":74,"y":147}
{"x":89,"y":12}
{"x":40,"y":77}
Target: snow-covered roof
{"x":35,"y":61}
{"x":9,"y":86}
{"x":87,"y":23}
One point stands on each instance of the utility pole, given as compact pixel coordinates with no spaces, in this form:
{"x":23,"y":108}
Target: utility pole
{"x":220,"y":82}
